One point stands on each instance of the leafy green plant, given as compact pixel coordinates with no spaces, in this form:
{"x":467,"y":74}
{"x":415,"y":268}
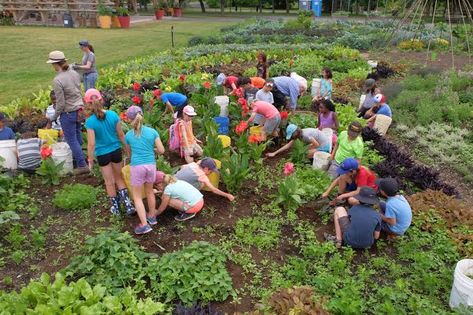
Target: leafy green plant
{"x":17,"y":256}
{"x":235,"y":170}
{"x":50,"y":171}
{"x":164,"y":166}
{"x":289,"y":193}
{"x":259,"y":231}
{"x":195,"y":273}
{"x":371,"y":157}
{"x":298,"y":152}
{"x":15,"y":236}
{"x":75,"y":197}
{"x":313,"y":182}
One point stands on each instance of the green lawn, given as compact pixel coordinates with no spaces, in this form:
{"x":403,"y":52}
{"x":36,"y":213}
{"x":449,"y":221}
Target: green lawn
{"x":24,"y":50}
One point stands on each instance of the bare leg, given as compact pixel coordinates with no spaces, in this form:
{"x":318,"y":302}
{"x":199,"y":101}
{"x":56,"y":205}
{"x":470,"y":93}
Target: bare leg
{"x":139,"y":206}
{"x":310,"y":153}
{"x":339,"y":213}
{"x":353,"y":202}
{"x":176,"y":204}
{"x":117,"y":174}
{"x":109,"y":178}
{"x":189,"y":159}
{"x":150,"y":197}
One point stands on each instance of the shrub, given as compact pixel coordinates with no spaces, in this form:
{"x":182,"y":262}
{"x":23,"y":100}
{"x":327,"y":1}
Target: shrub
{"x":411,"y":44}
{"x":75,"y":197}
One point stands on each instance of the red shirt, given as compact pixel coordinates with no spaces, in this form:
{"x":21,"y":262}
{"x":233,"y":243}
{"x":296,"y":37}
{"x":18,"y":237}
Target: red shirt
{"x":229,"y":81}
{"x":365,"y":177}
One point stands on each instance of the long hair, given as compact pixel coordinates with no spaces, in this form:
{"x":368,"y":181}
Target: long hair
{"x":64,"y":65}
{"x":137,"y":124}
{"x":168,"y":179}
{"x":328,"y":73}
{"x":261,"y":55}
{"x":91,"y":48}
{"x":95,"y":107}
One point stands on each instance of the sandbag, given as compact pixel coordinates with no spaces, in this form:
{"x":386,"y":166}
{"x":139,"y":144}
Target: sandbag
{"x":462,"y":289}
{"x":321,"y":160}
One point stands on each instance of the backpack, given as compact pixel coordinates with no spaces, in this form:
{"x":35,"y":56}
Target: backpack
{"x":174,"y":136}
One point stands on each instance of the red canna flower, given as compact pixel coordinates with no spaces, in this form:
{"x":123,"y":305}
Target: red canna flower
{"x":255,"y":138}
{"x":136,"y":86}
{"x":288,"y":169}
{"x":136,"y":100}
{"x":157,"y":93}
{"x":207,"y":85}
{"x":241,"y":127}
{"x":123,"y":116}
{"x":46,"y":151}
{"x":244,"y":110}
{"x":242,"y":102}
{"x":284,"y":115}
{"x":182,"y":78}
{"x":151,"y":103}
{"x":238,"y":92}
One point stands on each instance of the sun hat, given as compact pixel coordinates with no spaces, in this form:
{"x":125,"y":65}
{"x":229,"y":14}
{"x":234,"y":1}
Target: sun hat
{"x":389,"y":185}
{"x":133,"y":111}
{"x":290,"y":129}
{"x":209,"y":163}
{"x":92,"y":95}
{"x":367,"y":195}
{"x":84,"y":43}
{"x":189,"y":110}
{"x":220,"y":79}
{"x":354,"y":129}
{"x":349,"y":164}
{"x":159,"y":177}
{"x":369,"y":84}
{"x":56,"y":56}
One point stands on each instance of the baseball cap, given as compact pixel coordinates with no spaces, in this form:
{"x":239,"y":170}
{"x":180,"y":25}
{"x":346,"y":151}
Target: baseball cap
{"x":389,"y":185}
{"x":133,"y":111}
{"x":349,"y":164}
{"x":2,"y":116}
{"x":84,"y":43}
{"x":354,"y":129}
{"x":367,"y":195}
{"x":291,"y":128}
{"x":92,"y":95}
{"x":56,"y":56}
{"x":380,"y":98}
{"x":159,"y":177}
{"x":369,"y":83}
{"x":209,"y":163}
{"x":189,"y":110}
{"x":220,"y":79}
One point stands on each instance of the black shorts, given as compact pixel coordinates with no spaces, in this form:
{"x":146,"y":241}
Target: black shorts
{"x":280,"y":100}
{"x":112,"y":157}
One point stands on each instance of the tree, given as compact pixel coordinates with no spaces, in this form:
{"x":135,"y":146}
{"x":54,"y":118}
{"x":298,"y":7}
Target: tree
{"x":202,"y":5}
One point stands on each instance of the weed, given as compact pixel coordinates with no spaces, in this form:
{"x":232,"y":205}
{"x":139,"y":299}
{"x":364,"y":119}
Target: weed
{"x":75,"y":197}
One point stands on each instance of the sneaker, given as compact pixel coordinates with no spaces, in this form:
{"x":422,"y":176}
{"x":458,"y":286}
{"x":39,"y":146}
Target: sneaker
{"x":114,"y":210}
{"x":330,"y":237}
{"x":143,"y":229}
{"x":151,"y":220}
{"x":184,"y":216}
{"x":81,"y":170}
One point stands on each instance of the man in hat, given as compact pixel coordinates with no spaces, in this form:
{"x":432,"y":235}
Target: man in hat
{"x":396,"y":212}
{"x":361,"y":225}
{"x":349,"y":144}
{"x":196,"y":175}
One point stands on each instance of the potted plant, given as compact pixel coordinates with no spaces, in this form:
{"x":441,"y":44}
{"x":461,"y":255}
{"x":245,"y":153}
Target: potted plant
{"x":159,"y":10}
{"x":123,"y":17}
{"x":115,"y":20}
{"x":105,"y":16}
{"x":177,"y":11}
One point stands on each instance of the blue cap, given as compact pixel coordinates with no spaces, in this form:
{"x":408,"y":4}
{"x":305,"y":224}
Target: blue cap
{"x":84,"y":43}
{"x":291,"y":128}
{"x":349,"y":164}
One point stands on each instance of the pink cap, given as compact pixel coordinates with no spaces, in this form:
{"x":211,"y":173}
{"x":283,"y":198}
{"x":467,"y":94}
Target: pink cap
{"x":132,"y":111}
{"x":159,"y":177}
{"x":92,"y":95}
{"x":189,"y":110}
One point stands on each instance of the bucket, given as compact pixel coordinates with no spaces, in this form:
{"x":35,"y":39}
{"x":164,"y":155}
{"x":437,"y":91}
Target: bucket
{"x":256,"y":130}
{"x":223,"y":123}
{"x":62,"y":153}
{"x":8,"y":153}
{"x":226,"y":140}
{"x":362,"y":100}
{"x":462,"y":288}
{"x":223,"y":102}
{"x":214,"y":177}
{"x":315,"y":87}
{"x":126,"y":173}
{"x":49,"y":136}
{"x":321,"y":160}
{"x":382,"y":123}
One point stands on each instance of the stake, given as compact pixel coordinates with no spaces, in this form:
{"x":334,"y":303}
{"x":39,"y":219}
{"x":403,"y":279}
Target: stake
{"x":172,"y":36}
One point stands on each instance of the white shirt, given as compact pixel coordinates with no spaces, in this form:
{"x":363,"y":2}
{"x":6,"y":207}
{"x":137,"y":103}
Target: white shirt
{"x":261,"y":95}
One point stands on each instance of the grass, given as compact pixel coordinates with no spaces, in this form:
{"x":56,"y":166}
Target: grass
{"x":25,"y":49}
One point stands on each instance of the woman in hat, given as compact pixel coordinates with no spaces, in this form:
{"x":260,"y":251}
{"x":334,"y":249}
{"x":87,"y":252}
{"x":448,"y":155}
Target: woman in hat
{"x":104,"y":141}
{"x":370,"y":89}
{"x":88,"y":65}
{"x":69,"y":104}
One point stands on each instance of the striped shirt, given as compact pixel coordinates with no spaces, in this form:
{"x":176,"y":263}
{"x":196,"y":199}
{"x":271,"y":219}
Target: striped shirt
{"x":29,"y":156}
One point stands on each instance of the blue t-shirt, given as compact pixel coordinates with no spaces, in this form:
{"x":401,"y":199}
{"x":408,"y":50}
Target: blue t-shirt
{"x":142,"y":147}
{"x":183,"y":191}
{"x":364,"y":221}
{"x":176,"y":99}
{"x":385,"y":110}
{"x":7,"y":134}
{"x":106,"y":137}
{"x":398,"y":207}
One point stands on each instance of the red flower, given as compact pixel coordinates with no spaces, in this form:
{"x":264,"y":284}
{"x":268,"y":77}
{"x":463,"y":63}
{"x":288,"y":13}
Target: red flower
{"x":136,"y":86}
{"x":284,"y":115}
{"x":182,"y":78}
{"x":288,"y":168}
{"x":123,"y":116}
{"x":242,"y":102}
{"x":255,"y":138}
{"x":244,"y":110}
{"x":46,"y":151}
{"x":157,"y":93}
{"x":136,"y":100}
{"x":238,"y":92}
{"x":241,"y":127}
{"x":151,"y":103}
{"x":207,"y":85}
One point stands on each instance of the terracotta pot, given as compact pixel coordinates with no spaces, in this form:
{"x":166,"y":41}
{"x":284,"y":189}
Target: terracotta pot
{"x":115,"y":22}
{"x":177,"y":12}
{"x":105,"y":21}
{"x":124,"y":21}
{"x":159,"y":14}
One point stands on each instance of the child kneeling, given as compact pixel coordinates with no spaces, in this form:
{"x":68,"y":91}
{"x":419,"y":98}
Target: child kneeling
{"x":179,"y":195}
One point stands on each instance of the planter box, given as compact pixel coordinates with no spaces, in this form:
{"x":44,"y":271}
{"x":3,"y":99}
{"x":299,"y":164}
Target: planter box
{"x":177,"y":12}
{"x":124,"y":21}
{"x":115,"y":22}
{"x":105,"y":21}
{"x":159,"y":14}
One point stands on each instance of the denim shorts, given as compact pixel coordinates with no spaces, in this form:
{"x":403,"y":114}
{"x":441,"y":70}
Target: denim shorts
{"x":142,"y":174}
{"x":270,"y":125}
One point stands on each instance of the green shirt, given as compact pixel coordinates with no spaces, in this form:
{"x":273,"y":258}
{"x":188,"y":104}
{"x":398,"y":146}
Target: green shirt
{"x":348,"y":148}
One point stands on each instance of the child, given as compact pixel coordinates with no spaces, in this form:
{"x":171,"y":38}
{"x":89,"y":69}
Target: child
{"x":271,"y":116}
{"x":190,"y":147}
{"x":265,"y":94}
{"x":325,"y":91}
{"x":179,"y":195}
{"x":379,"y":108}
{"x":5,"y":132}
{"x":142,"y":140}
{"x":317,"y":139}
{"x":262,"y":66}
{"x":327,"y":116}
{"x":229,"y":83}
{"x":174,"y":101}
{"x":29,"y":152}
{"x":51,"y":110}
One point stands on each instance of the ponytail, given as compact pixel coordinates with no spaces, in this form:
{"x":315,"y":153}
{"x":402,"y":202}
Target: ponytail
{"x":91,"y":48}
{"x":95,"y":107}
{"x":137,"y":124}
{"x":64,"y":65}
{"x":169,"y":179}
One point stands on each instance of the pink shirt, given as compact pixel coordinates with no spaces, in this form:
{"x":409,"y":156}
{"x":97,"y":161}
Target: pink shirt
{"x":265,"y":109}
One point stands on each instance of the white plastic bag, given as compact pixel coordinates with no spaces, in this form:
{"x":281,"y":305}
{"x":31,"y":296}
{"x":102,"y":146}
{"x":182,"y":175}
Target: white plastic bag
{"x":321,"y":160}
{"x":462,"y":289}
{"x":328,"y":132}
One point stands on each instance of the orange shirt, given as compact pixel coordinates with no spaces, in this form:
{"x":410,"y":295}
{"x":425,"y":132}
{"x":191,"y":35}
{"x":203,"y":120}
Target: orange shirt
{"x":257,"y":82}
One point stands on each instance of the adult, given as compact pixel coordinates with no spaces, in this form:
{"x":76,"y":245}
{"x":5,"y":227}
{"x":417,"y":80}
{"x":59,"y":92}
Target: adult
{"x":286,"y":87}
{"x":88,"y":65}
{"x":370,"y":90}
{"x":6,"y":133}
{"x":351,"y":178}
{"x":317,"y":140}
{"x":105,"y":138}
{"x":271,"y":116}
{"x":196,"y":175}
{"x":361,"y":225}
{"x":229,"y":83}
{"x":396,"y":212}
{"x":66,"y":85}
{"x":173,"y":101}
{"x":349,"y":144}
{"x":262,"y":66}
